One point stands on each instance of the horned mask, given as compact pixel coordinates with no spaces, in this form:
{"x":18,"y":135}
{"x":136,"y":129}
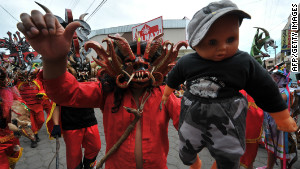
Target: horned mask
{"x":141,"y":68}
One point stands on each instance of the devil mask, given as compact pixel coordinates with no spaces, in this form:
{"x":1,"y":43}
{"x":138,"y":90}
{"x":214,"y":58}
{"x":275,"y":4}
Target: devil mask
{"x":140,"y":64}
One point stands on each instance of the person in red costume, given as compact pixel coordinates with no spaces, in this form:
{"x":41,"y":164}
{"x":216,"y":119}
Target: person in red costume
{"x":131,"y":79}
{"x":78,"y":125}
{"x":254,"y":121}
{"x":33,"y":94}
{"x":10,"y":150}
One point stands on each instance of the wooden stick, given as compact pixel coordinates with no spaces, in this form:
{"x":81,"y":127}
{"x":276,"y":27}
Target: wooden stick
{"x":128,"y":130}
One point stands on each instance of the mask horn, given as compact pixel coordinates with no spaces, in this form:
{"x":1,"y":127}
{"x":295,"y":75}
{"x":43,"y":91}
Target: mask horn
{"x":44,"y":7}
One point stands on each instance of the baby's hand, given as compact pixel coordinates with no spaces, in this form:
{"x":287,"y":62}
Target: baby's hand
{"x":284,"y":121}
{"x":288,"y":125}
{"x":165,"y":96}
{"x":164,"y":100}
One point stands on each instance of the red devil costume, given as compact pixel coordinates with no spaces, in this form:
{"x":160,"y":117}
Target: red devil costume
{"x":79,"y":125}
{"x":130,"y":84}
{"x":10,"y":150}
{"x":139,"y":66}
{"x":33,"y":94}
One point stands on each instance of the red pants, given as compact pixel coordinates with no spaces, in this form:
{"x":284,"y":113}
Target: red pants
{"x":37,"y":116}
{"x":4,"y":163}
{"x":87,"y":138}
{"x":249,"y":155}
{"x":7,"y":152}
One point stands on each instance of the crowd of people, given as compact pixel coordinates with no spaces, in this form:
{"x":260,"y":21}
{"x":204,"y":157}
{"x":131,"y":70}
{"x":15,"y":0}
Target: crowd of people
{"x":225,"y":100}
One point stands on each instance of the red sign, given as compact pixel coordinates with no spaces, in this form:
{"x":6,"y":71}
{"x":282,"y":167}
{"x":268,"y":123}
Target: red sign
{"x":148,"y":29}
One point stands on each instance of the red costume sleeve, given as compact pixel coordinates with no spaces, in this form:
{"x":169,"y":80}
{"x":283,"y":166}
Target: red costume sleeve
{"x":38,"y":83}
{"x":66,"y":91}
{"x":16,"y":94}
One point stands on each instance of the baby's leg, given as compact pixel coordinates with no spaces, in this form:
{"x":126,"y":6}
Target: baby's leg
{"x":190,"y":143}
{"x":189,"y":132}
{"x":226,"y":142}
{"x":225,"y":149}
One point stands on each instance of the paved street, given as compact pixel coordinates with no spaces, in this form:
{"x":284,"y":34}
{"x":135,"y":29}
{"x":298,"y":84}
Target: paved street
{"x":40,"y":157}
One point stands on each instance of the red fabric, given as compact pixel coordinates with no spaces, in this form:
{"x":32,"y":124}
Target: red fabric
{"x":29,"y":91}
{"x":49,"y":107}
{"x":4,"y":133}
{"x":4,"y":163}
{"x":249,"y":155}
{"x":36,"y":117}
{"x":65,"y":90}
{"x":254,"y":120}
{"x":87,"y":138}
{"x":6,"y":149}
{"x":8,"y":95}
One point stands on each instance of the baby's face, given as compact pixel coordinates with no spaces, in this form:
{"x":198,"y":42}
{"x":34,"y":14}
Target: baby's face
{"x":222,"y":39}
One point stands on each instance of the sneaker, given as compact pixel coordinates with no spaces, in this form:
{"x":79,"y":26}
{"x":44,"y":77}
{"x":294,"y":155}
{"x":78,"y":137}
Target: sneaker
{"x":33,"y":144}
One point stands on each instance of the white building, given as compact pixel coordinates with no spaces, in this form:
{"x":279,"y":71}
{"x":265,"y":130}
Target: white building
{"x":174,"y":30}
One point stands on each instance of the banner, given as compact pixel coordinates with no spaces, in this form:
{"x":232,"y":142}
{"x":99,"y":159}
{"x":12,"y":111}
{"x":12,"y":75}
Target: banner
{"x":148,"y":29}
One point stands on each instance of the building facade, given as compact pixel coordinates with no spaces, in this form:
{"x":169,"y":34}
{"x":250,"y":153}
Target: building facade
{"x":174,"y":30}
{"x":285,"y":54}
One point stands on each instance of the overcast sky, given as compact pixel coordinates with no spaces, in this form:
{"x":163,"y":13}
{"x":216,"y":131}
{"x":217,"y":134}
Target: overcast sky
{"x":269,"y":14}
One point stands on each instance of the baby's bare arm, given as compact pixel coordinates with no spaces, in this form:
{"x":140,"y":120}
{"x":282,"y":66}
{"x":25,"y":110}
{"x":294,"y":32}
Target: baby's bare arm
{"x":166,"y":94}
{"x":284,"y":121}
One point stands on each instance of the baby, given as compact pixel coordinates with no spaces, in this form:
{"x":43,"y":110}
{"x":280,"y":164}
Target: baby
{"x":213,"y":112}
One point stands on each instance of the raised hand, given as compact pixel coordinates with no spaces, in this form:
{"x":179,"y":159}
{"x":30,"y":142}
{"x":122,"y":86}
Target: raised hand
{"x":48,"y":38}
{"x":46,"y":35}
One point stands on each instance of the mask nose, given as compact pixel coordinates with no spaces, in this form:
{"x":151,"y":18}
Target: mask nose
{"x":140,"y":64}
